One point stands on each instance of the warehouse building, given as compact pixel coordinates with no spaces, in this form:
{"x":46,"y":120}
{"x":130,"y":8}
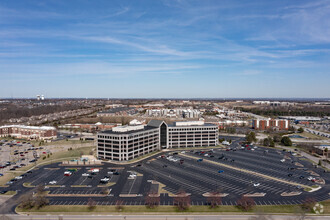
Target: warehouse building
{"x":134,"y":140}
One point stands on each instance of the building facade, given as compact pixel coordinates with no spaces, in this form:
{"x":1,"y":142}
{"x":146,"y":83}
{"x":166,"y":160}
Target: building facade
{"x":275,"y":124}
{"x":29,"y":132}
{"x":129,"y":142}
{"x":192,"y":134}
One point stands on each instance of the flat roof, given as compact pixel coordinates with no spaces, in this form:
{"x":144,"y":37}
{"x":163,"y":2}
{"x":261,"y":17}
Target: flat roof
{"x":29,"y":127}
{"x":181,"y":126}
{"x":146,"y":128}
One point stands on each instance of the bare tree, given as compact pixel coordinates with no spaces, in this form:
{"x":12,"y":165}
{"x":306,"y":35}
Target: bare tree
{"x":182,"y":200}
{"x":152,"y":200}
{"x":245,"y":203}
{"x":40,"y":201}
{"x":214,"y":200}
{"x":26,"y":201}
{"x":308,"y":204}
{"x":119,"y":205}
{"x":40,"y":189}
{"x":91,"y":204}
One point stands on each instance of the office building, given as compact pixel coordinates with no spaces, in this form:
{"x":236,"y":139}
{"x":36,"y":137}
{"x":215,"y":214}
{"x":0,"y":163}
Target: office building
{"x":134,"y":140}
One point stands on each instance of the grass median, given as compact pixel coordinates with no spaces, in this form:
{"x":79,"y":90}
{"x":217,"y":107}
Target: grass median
{"x":72,"y":209}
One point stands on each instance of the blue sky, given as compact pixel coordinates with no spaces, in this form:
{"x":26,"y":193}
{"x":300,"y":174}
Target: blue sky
{"x":165,"y":48}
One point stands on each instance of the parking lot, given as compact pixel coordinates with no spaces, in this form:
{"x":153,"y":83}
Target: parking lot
{"x":254,"y":171}
{"x":15,"y":154}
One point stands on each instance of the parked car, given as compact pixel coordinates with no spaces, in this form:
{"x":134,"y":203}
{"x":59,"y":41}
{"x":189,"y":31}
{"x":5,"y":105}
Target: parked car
{"x":67,"y":173}
{"x":85,"y":174}
{"x":52,"y":182}
{"x":105,"y":179}
{"x":256,"y":184}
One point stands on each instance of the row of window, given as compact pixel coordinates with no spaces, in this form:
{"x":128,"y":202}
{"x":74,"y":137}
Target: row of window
{"x":193,"y":129}
{"x":124,"y":137}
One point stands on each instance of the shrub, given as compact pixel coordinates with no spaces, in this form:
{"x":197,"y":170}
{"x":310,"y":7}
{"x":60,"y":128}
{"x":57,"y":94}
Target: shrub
{"x":286,"y":141}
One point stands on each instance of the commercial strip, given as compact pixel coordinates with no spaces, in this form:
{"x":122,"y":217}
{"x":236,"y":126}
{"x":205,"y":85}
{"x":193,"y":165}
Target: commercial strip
{"x":28,"y":132}
{"x":134,"y":140}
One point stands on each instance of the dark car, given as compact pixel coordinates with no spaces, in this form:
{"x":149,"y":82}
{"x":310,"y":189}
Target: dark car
{"x":301,"y":177}
{"x":30,"y":171}
{"x":12,"y":168}
{"x":290,"y":174}
{"x":3,"y":192}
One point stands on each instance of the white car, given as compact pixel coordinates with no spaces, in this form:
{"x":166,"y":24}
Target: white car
{"x":52,"y":182}
{"x":310,"y":178}
{"x":132,"y":176}
{"x":85,"y":174}
{"x":255,"y":147}
{"x":283,"y":160}
{"x":18,"y":177}
{"x":105,"y":179}
{"x":256,"y":184}
{"x":252,"y":149}
{"x":183,"y":152}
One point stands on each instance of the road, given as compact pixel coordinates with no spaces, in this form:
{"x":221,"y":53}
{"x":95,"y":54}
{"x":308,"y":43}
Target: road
{"x":161,"y":217}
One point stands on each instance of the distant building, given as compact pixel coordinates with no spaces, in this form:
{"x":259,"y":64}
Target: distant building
{"x":232,"y":123}
{"x":134,"y":140}
{"x":174,"y":113}
{"x":116,"y":111}
{"x":90,"y":127}
{"x":29,"y":132}
{"x":274,"y":124}
{"x":321,"y":150}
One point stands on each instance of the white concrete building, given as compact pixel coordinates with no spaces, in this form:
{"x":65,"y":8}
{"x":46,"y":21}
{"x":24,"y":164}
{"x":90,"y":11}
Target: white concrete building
{"x":128,"y":142}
